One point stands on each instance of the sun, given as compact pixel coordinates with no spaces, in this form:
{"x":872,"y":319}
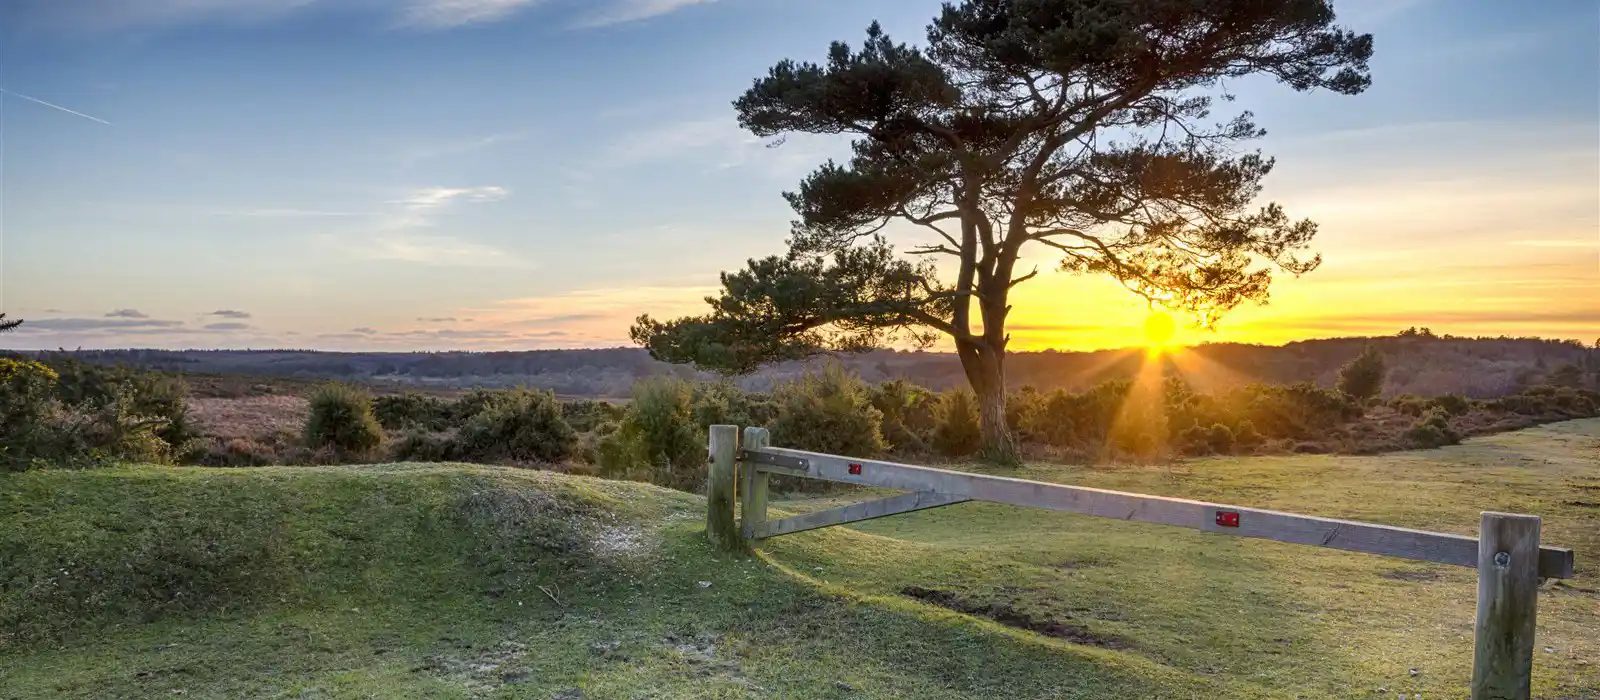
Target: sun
{"x":1159,"y":330}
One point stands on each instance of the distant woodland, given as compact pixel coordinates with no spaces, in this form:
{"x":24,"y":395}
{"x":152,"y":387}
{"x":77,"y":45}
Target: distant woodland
{"x":1419,"y":362}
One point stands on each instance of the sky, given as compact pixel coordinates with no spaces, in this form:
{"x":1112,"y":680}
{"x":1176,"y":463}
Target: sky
{"x":523,"y":174}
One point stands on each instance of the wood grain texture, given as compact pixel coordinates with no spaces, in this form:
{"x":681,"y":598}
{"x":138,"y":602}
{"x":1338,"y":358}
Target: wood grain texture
{"x":753,"y":486}
{"x":1508,"y":595}
{"x":1257,"y":523}
{"x":720,"y":527}
{"x":856,"y":512}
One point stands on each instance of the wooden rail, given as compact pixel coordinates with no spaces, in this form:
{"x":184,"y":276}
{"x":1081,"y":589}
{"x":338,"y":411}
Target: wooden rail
{"x":1507,"y":553}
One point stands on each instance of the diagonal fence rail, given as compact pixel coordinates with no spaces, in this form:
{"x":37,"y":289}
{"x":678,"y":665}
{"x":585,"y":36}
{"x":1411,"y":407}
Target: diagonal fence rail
{"x":1507,"y":554}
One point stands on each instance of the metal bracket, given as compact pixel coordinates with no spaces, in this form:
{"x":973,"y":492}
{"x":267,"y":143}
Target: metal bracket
{"x":776,"y":460}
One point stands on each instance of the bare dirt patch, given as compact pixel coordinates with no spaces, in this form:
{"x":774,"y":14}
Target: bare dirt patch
{"x":1011,"y":617}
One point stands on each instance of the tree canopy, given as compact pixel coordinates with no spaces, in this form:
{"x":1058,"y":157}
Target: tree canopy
{"x":1084,"y":127}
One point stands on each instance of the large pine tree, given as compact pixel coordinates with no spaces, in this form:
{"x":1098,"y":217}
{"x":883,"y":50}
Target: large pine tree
{"x":1081,"y":126}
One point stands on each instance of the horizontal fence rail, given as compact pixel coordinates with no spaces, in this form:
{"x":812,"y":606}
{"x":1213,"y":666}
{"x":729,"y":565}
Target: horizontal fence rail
{"x":1239,"y":521}
{"x":1507,"y":554}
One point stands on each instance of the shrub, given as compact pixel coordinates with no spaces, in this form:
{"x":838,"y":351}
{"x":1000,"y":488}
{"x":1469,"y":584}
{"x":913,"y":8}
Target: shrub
{"x":519,"y":425}
{"x":659,"y":440}
{"x":1193,"y":440}
{"x":908,"y":414}
{"x":1245,"y":435}
{"x":341,"y":418}
{"x":103,"y":423}
{"x":589,"y":415}
{"x":957,"y":432}
{"x":469,"y":405}
{"x":1053,"y":423}
{"x":411,"y":410}
{"x":1221,"y":439}
{"x":1296,"y":411}
{"x":829,"y":411}
{"x":149,"y":395}
{"x":722,"y":403}
{"x":1452,"y":404}
{"x":418,"y":445}
{"x":1362,"y":378}
{"x":1433,"y":430}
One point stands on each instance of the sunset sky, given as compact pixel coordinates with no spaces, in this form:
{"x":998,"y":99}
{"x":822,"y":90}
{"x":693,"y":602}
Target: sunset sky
{"x":518,"y":174}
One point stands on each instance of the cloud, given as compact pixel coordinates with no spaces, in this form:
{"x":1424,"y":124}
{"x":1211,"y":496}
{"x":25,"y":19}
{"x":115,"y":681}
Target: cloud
{"x":230,"y":313}
{"x":121,"y":15}
{"x":288,"y":213}
{"x":127,"y":313}
{"x":96,"y":324}
{"x":228,"y":326}
{"x":462,"y":147}
{"x":1558,"y":243}
{"x":441,"y":319}
{"x":446,"y":14}
{"x":442,"y":251}
{"x":624,"y":11}
{"x":364,"y":331}
{"x":418,"y":208}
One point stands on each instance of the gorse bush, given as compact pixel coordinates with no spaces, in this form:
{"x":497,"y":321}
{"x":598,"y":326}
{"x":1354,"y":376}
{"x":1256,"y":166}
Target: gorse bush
{"x":341,"y":418}
{"x":91,"y":415}
{"x":589,"y":415}
{"x":419,"y":445}
{"x":829,"y":411}
{"x":659,"y":440}
{"x":523,"y":426}
{"x":411,"y":410}
{"x":1433,"y":430}
{"x":722,"y":403}
{"x":908,"y":414}
{"x":956,"y":433}
{"x":1295,"y":411}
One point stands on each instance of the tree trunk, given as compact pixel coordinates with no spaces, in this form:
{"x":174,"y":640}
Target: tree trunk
{"x":986,"y":373}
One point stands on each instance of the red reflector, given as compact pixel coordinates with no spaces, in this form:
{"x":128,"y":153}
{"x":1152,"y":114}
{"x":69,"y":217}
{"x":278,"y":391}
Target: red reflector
{"x":855,"y":469}
{"x":1227,"y":518}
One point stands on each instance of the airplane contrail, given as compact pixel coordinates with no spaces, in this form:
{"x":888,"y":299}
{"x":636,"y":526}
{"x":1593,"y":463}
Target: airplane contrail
{"x":54,"y":106}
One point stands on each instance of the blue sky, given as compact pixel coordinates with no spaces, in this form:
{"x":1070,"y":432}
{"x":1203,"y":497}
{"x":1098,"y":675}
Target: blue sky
{"x":428,"y":174}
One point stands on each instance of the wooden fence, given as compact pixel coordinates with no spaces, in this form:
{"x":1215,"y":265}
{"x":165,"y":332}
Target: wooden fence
{"x":1506,"y":553}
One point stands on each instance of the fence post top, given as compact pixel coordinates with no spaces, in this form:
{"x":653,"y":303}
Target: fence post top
{"x":1496,"y":515}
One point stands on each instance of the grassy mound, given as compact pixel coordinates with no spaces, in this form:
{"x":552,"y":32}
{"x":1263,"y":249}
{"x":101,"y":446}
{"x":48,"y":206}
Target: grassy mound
{"x":456,"y":581}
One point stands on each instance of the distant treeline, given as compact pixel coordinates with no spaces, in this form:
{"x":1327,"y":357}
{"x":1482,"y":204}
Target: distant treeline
{"x":1420,"y":363}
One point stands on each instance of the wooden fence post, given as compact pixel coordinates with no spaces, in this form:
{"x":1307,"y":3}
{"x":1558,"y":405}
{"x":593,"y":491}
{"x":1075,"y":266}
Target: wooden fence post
{"x":1508,"y":594}
{"x":753,"y":487}
{"x":719,"y":492}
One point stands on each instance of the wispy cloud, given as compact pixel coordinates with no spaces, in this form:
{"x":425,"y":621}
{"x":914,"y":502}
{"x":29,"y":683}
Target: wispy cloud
{"x":127,"y":313}
{"x":446,"y":14}
{"x":230,"y":326}
{"x":440,"y":319}
{"x":456,"y":148}
{"x":288,"y":213}
{"x":418,"y":207}
{"x":447,"y":251}
{"x":1558,"y":243}
{"x":57,"y":107}
{"x":624,"y":11}
{"x":95,"y":324}
{"x":364,"y":331}
{"x":121,"y":15}
{"x":230,"y":313}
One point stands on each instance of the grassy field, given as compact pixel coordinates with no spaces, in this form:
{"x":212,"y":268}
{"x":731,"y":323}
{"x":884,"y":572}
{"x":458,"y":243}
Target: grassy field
{"x":455,"y":581}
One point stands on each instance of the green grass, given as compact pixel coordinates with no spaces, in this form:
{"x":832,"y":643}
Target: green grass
{"x":445,"y":581}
